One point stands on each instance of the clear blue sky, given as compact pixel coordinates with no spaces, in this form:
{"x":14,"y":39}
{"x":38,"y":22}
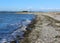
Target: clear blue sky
{"x":28,"y":4}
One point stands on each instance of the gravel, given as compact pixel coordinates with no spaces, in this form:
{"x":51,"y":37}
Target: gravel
{"x":46,"y":30}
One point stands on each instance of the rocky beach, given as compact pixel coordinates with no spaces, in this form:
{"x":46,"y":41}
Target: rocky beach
{"x":46,"y":29}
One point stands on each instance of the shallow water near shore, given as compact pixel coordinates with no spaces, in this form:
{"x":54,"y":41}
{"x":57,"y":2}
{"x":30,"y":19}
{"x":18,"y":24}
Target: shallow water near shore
{"x":14,"y":26}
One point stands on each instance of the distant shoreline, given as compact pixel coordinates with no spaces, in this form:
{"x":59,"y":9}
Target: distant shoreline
{"x":24,"y":12}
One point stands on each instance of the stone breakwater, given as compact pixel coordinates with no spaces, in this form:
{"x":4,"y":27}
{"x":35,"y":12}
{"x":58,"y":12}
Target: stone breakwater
{"x":46,"y":30}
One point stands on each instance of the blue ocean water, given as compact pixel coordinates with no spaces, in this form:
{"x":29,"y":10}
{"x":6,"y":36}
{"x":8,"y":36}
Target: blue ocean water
{"x":14,"y":23}
{"x":7,"y":19}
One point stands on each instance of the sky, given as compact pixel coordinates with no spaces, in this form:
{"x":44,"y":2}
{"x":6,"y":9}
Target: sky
{"x":17,"y":5}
